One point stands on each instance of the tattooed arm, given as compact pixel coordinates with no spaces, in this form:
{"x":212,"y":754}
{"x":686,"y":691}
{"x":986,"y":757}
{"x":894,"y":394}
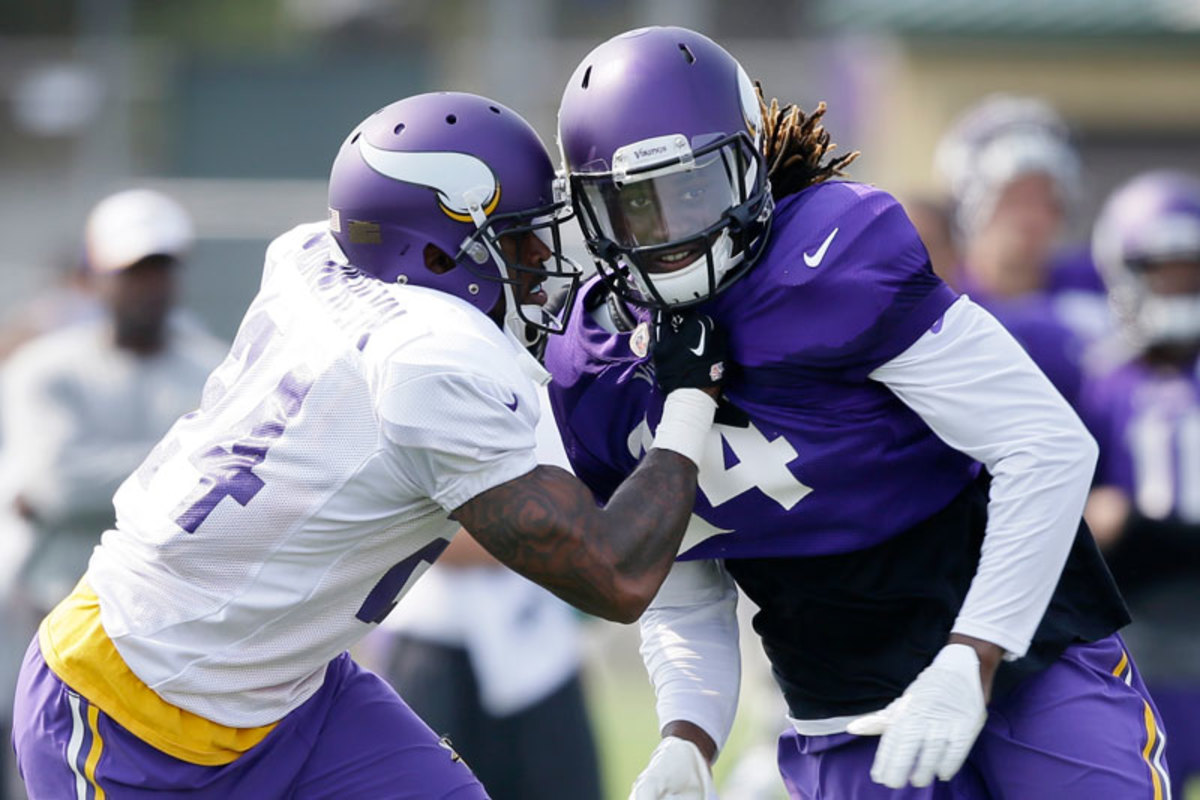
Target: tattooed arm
{"x":611,"y":561}
{"x":606,"y":561}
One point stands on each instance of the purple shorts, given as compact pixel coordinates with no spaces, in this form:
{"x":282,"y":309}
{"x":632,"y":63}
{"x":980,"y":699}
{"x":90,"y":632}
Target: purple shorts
{"x":1179,"y":703}
{"x":354,"y":738}
{"x":1084,"y":728}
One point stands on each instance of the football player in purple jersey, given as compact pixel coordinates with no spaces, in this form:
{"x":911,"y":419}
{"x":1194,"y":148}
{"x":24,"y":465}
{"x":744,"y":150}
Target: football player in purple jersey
{"x":890,"y":478}
{"x":378,"y":396}
{"x":1141,"y":399}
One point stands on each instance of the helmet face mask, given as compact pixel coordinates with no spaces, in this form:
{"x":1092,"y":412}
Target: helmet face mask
{"x":666,"y":233}
{"x":508,"y":239}
{"x":671,"y":195}
{"x":458,"y":172}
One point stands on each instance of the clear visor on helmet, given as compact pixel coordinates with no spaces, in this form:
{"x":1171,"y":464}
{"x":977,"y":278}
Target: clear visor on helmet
{"x":669,"y":202}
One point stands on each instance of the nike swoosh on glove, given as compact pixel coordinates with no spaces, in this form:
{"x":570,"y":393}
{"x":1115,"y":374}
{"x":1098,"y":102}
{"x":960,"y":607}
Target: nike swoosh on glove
{"x":677,"y":771}
{"x":930,"y":729}
{"x":689,"y":351}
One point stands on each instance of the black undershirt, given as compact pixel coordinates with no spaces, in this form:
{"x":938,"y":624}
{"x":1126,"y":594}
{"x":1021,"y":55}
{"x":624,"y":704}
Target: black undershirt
{"x":847,"y":633}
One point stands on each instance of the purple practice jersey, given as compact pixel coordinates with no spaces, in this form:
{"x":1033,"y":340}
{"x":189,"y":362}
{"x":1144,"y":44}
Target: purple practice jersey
{"x":1146,"y":419}
{"x":816,"y":458}
{"x":1073,"y":270}
{"x":1147,"y":422}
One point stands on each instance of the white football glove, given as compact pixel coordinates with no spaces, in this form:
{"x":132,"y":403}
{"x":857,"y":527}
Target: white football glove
{"x":677,"y":771}
{"x":930,"y":729}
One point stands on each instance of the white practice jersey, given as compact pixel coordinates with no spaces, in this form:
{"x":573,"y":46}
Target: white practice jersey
{"x":276,"y":525}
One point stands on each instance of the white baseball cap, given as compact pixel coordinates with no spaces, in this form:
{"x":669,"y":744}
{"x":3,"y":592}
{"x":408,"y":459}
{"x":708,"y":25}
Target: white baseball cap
{"x":128,"y":226}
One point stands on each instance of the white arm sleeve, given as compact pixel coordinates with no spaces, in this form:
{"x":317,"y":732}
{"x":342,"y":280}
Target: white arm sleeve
{"x":981,"y":393}
{"x":690,"y":648}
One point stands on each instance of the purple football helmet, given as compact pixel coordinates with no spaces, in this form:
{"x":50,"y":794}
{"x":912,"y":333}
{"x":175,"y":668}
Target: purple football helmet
{"x":457,"y":171}
{"x":1151,"y":220}
{"x":660,"y":133}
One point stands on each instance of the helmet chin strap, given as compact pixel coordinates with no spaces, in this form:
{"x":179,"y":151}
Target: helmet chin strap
{"x":514,"y":325}
{"x":691,"y":282}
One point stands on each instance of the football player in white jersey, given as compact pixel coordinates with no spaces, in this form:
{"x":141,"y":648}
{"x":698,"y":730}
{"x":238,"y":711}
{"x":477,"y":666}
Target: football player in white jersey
{"x":378,"y":395}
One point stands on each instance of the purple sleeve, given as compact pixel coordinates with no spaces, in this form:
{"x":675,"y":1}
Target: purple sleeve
{"x":599,"y":394}
{"x":589,"y":467}
{"x":874,"y":295}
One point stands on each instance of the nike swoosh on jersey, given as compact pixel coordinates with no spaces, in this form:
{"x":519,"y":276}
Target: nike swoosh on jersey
{"x":699,"y":348}
{"x":513,"y":405}
{"x":813,"y":260}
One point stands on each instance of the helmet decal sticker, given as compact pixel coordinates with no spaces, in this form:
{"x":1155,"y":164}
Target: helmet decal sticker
{"x":750,"y":107}
{"x":459,"y":179}
{"x":365,"y":232}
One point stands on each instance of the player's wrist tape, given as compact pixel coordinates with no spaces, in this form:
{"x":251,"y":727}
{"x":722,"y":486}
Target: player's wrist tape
{"x":686,"y":420}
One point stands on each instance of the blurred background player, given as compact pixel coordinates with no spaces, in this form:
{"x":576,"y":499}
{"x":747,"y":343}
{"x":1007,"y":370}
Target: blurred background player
{"x":1013,"y":174}
{"x":69,"y":298}
{"x":493,"y":661}
{"x":933,"y":218}
{"x":890,"y":477}
{"x":82,"y":406}
{"x":1142,"y":402}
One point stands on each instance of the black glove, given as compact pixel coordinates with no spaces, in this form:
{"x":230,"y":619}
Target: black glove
{"x":689,"y":351}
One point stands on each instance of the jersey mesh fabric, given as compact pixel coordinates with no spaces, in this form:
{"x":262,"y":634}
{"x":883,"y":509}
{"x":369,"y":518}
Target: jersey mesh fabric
{"x":271,"y":529}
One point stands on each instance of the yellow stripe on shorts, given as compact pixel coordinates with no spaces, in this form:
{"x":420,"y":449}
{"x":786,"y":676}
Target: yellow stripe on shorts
{"x":93,"y":756}
{"x":1155,"y":739}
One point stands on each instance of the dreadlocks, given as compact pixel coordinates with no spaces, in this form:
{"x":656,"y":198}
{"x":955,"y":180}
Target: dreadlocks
{"x":794,"y":144}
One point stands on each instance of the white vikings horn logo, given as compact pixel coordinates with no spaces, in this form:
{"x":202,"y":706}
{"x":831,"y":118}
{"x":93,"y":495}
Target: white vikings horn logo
{"x":459,"y":179}
{"x":751,"y":111}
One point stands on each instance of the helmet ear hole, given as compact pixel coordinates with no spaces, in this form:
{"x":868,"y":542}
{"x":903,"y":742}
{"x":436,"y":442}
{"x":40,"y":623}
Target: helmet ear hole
{"x":436,"y":260}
